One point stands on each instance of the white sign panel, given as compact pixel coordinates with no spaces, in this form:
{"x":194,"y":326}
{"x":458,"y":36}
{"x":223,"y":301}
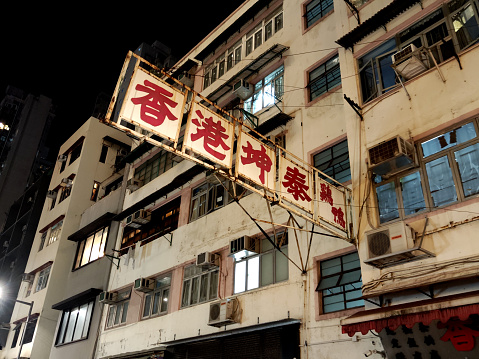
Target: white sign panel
{"x":256,"y":161}
{"x":296,"y":184}
{"x":331,"y":203}
{"x":209,"y":135}
{"x":153,"y":105}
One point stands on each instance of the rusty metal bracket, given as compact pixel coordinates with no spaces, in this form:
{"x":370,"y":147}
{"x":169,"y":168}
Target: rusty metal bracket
{"x":354,"y":10}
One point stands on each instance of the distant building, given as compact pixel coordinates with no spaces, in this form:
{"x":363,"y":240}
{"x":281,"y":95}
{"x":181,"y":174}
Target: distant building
{"x":24,"y":123}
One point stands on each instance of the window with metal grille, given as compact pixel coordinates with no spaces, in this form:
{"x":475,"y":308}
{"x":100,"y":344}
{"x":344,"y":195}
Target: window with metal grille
{"x":334,"y":162}
{"x":324,"y":78}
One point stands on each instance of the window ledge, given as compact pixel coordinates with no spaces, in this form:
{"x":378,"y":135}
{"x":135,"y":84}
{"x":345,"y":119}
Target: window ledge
{"x":339,"y":314}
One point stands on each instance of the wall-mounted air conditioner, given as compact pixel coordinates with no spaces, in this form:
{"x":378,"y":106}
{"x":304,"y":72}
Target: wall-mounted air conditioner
{"x":108,"y":297}
{"x":144,"y":285}
{"x":62,"y":158}
{"x":66,"y":182}
{"x":391,"y":239}
{"x":208,"y":259}
{"x":133,"y":184}
{"x":26,"y":277}
{"x":243,"y":89}
{"x":223,"y":312}
{"x":139,"y":218}
{"x":52,"y":194}
{"x":409,"y":62}
{"x":392,"y":156}
{"x":244,"y":247}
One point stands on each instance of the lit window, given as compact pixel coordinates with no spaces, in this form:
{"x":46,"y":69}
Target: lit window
{"x":267,"y":92}
{"x":75,"y":323}
{"x":156,"y":302}
{"x":268,"y":267}
{"x":42,"y":279}
{"x":340,"y":283}
{"x":324,"y":78}
{"x":94,"y":191}
{"x":54,"y":232}
{"x":91,"y":248}
{"x":199,"y":285}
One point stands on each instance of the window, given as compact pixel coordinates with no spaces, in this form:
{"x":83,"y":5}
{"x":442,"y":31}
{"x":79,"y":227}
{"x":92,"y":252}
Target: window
{"x":91,"y":248}
{"x":316,"y":9}
{"x":324,"y":78}
{"x":54,"y":232}
{"x":448,"y":173}
{"x":94,"y":191}
{"x":155,"y":166}
{"x":65,"y":193}
{"x":340,"y":283}
{"x":42,"y":279}
{"x":29,"y":331}
{"x":16,"y":334}
{"x":199,"y":285}
{"x":334,"y":162}
{"x":266,"y":92}
{"x":268,"y":267}
{"x":211,"y":196}
{"x":75,"y":153}
{"x":156,"y":302}
{"x":103,"y":154}
{"x":118,"y":312}
{"x":163,"y":220}
{"x":75,"y":323}
{"x":42,"y":239}
{"x":376,"y":73}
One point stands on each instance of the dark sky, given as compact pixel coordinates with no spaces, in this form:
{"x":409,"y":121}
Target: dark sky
{"x":74,"y":52}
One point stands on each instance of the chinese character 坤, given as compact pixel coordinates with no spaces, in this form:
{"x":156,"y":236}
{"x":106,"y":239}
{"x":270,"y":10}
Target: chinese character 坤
{"x":258,"y":157}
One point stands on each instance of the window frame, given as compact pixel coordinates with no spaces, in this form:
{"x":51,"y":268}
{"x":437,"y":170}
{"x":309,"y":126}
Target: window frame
{"x":449,"y":153}
{"x":333,"y":159}
{"x":315,"y":19}
{"x":160,"y":290}
{"x":201,"y":274}
{"x":63,"y":327}
{"x":260,"y":257}
{"x":275,"y":83}
{"x":42,"y":278}
{"x":122,"y":305}
{"x":82,"y":245}
{"x":329,"y":85}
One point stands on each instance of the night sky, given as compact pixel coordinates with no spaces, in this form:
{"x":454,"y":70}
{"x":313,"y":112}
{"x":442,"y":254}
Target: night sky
{"x":73,"y":55}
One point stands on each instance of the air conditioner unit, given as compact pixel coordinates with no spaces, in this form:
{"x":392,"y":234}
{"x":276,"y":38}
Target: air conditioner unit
{"x":244,"y":247}
{"x":108,"y":297}
{"x":144,"y":285}
{"x":52,"y":194}
{"x":133,"y":184}
{"x":62,"y":158}
{"x":409,"y":62}
{"x":223,"y":312}
{"x":208,"y":259}
{"x":138,"y":218}
{"x":391,"y":156}
{"x":242,"y":89}
{"x":26,"y":277}
{"x":389,"y":240}
{"x":66,"y":182}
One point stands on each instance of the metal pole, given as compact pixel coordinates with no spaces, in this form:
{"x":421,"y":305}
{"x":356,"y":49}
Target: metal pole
{"x":26,"y":324}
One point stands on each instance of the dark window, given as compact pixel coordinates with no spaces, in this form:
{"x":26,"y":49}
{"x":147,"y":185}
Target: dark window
{"x":199,"y":285}
{"x":156,"y":302}
{"x":17,"y":329}
{"x":155,"y":166}
{"x":340,"y":283}
{"x":316,"y":9}
{"x":324,"y":78}
{"x":118,"y":312}
{"x":29,"y":331}
{"x":334,"y":162}
{"x":104,"y":152}
{"x":75,"y":153}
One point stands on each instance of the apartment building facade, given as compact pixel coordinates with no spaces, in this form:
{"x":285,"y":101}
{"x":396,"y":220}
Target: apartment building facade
{"x":63,"y":273}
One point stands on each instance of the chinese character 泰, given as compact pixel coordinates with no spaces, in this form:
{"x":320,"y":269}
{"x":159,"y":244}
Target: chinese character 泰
{"x":258,"y":157}
{"x":295,"y":183}
{"x":213,"y":134}
{"x":461,"y":337}
{"x":154,"y":108}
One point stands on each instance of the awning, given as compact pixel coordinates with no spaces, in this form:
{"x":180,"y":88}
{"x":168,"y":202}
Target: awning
{"x":408,"y":314}
{"x":98,"y":223}
{"x":280,"y":119}
{"x":380,"y":19}
{"x":77,"y":299}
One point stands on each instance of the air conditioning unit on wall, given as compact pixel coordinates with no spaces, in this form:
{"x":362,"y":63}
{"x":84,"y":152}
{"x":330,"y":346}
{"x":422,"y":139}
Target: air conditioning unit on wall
{"x":243,"y":89}
{"x":108,"y":297}
{"x":391,"y":156}
{"x":409,"y":62}
{"x":244,"y":247}
{"x":144,"y":285}
{"x":390,"y":239}
{"x":207,"y":260}
{"x":223,"y":312}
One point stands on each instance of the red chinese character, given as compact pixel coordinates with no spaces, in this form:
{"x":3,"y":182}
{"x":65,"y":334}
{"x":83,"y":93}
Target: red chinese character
{"x":258,"y":157}
{"x":213,"y":134}
{"x":154,"y":108}
{"x":461,"y":337}
{"x":325,"y":195}
{"x":338,"y":216}
{"x":295,"y":182}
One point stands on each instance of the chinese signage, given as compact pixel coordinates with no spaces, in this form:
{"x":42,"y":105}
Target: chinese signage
{"x":296,"y":184}
{"x":153,"y":105}
{"x":209,"y":135}
{"x":331,"y":203}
